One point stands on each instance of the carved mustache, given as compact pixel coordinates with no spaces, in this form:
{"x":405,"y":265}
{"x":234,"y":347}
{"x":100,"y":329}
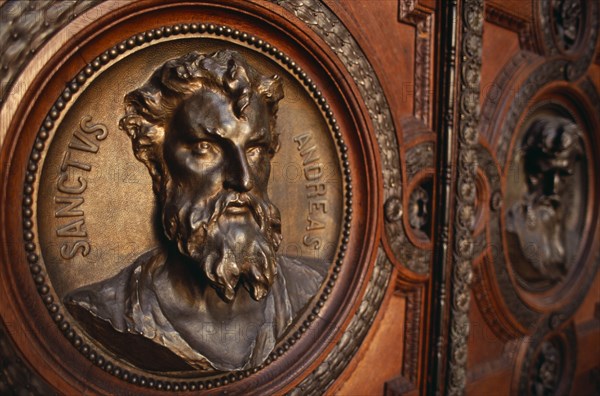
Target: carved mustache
{"x":549,"y":200}
{"x":235,"y":201}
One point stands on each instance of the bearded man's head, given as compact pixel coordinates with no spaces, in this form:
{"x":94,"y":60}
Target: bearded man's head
{"x":552,"y":146}
{"x":204,"y":126}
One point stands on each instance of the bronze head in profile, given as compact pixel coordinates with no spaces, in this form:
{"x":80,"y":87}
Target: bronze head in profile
{"x":551,"y":148}
{"x":215,"y":294}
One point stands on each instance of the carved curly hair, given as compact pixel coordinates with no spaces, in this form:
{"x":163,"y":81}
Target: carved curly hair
{"x":148,"y":109}
{"x":555,"y":138}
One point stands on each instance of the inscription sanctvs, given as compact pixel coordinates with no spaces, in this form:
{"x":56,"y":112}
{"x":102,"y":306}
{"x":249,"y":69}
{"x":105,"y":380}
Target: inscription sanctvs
{"x":71,"y":184}
{"x":315,"y":189}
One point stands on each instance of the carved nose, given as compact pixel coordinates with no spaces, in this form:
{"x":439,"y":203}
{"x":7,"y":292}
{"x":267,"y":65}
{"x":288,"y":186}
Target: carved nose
{"x":554,"y":183}
{"x":240,"y":174}
{"x":557,"y":183}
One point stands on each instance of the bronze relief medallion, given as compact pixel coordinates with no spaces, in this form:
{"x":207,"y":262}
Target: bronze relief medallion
{"x":547,"y":206}
{"x":546,"y":198}
{"x":189,"y":204}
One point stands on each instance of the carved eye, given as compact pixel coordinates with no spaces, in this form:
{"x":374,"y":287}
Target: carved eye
{"x":255,"y":152}
{"x":204,"y":148}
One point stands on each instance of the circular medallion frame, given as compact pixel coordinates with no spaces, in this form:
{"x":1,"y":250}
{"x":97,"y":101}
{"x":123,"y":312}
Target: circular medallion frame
{"x":557,"y":100}
{"x":342,"y":292}
{"x":65,"y":322}
{"x":516,"y":306}
{"x":568,"y":28}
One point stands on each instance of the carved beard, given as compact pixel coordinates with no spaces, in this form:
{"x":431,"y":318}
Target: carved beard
{"x":229,"y":249}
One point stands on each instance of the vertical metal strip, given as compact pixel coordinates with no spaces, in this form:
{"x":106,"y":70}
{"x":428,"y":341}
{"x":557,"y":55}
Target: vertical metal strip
{"x":436,"y":319}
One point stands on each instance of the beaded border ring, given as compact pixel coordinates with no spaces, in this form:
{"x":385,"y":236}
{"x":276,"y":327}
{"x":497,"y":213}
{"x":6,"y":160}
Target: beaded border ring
{"x":100,"y":63}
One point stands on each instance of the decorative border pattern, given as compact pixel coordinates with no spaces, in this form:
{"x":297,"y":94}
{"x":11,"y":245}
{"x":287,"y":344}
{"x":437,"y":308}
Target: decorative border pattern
{"x":542,"y":75}
{"x":339,"y":357}
{"x":484,"y":298}
{"x":27,"y":24}
{"x":586,"y":45}
{"x":494,"y":99}
{"x":468,"y":100}
{"x":50,"y":123}
{"x":16,"y":377}
{"x":420,"y":157}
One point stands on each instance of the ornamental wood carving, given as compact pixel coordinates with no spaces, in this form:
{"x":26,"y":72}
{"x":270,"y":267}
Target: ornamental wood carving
{"x":299,"y":197}
{"x":239,"y":80}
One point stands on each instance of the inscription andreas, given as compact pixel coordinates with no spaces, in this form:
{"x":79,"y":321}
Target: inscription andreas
{"x":316,"y":189}
{"x":71,"y":185}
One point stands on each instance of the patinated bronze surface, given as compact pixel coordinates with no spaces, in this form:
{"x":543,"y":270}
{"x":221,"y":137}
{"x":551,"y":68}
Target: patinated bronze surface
{"x":204,"y":126}
{"x":202,"y":277}
{"x":539,"y":219}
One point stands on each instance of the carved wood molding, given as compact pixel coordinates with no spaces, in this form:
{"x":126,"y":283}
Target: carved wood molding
{"x":506,"y":88}
{"x":488,"y":304}
{"x":416,"y":14}
{"x":341,"y":43}
{"x":16,"y":376}
{"x":546,"y":360}
{"x":500,"y":17}
{"x":464,"y":210}
{"x":413,"y":332}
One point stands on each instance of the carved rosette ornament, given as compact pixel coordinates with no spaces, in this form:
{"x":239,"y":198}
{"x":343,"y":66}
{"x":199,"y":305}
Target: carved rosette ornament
{"x":188,"y":202}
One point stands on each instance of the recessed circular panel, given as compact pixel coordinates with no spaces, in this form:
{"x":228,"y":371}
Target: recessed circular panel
{"x":546,"y":198}
{"x":110,"y":247}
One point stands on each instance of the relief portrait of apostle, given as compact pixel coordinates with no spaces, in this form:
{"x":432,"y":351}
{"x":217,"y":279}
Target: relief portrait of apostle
{"x":538,"y":220}
{"x":215,"y":294}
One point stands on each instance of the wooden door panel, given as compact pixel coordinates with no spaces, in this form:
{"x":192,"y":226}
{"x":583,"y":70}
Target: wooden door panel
{"x":441,"y":159}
